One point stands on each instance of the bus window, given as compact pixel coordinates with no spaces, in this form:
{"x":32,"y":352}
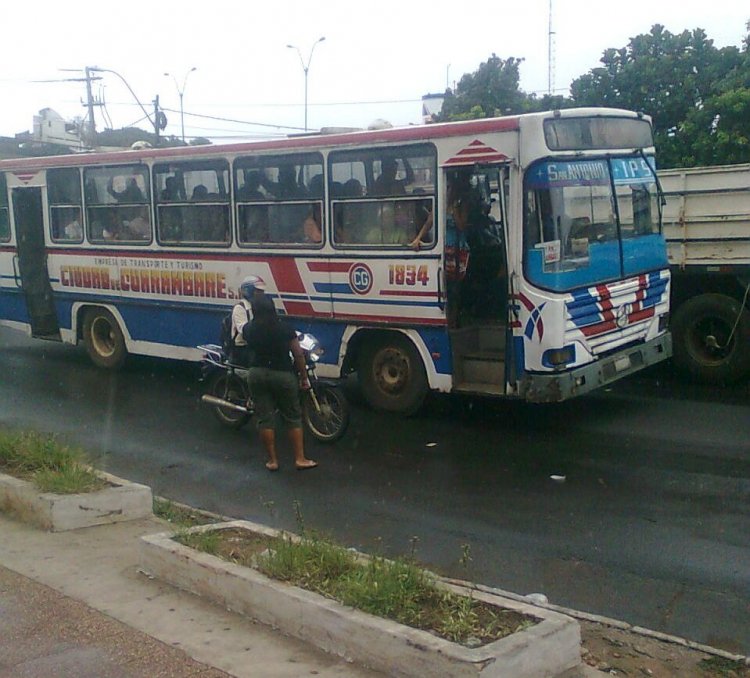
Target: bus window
{"x":65,"y":205}
{"x":382,"y":197}
{"x":192,"y":202}
{"x":4,"y":219}
{"x":279,"y":199}
{"x":118,"y":205}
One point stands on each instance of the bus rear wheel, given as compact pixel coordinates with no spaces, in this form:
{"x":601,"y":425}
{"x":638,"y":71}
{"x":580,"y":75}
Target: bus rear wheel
{"x":710,"y":339}
{"x":103,"y":339}
{"x":392,"y":375}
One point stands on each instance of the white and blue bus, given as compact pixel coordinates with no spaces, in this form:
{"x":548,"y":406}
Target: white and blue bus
{"x":566,"y":288}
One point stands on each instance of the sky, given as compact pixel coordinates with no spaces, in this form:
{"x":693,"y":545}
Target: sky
{"x":377,"y":60}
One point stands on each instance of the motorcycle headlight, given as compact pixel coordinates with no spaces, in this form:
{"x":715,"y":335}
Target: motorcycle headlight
{"x":311,"y":346}
{"x":316,"y":353}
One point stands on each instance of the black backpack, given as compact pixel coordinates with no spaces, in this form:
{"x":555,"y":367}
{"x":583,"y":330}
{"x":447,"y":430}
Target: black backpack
{"x":227,"y":335}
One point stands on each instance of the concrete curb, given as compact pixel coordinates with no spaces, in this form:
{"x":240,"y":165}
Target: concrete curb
{"x":576,"y":614}
{"x":120,"y":501}
{"x":549,"y":648}
{"x":617,"y":624}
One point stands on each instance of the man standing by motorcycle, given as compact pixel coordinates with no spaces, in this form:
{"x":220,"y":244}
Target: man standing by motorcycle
{"x":273,"y":382}
{"x":251,"y":288}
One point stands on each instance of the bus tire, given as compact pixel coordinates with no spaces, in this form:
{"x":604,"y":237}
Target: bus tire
{"x":392,"y":375}
{"x":704,"y":346}
{"x":103,"y":339}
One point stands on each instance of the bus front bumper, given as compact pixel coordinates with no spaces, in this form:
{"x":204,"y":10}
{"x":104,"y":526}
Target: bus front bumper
{"x":558,"y":386}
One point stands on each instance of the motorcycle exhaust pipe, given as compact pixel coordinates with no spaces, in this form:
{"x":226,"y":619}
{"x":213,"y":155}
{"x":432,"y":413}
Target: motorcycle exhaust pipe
{"x":220,"y":402}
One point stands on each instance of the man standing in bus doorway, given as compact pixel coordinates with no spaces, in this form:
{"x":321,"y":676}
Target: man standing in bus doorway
{"x":456,"y":242}
{"x":251,"y":288}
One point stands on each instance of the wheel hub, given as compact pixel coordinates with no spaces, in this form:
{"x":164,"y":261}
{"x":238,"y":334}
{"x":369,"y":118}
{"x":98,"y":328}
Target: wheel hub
{"x":392,"y":370}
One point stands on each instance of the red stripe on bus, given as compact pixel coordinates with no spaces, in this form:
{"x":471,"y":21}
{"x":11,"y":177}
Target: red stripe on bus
{"x":408,"y":293}
{"x":387,"y":320}
{"x":599,"y":328}
{"x":286,"y":275}
{"x":329,"y":266}
{"x":302,"y":308}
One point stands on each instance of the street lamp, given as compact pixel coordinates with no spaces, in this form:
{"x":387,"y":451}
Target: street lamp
{"x":96,"y":69}
{"x":306,"y":68}
{"x":181,"y":92}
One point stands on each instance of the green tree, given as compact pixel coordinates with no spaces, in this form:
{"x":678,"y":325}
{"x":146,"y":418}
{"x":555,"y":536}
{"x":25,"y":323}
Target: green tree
{"x":673,"y":78}
{"x":491,"y":90}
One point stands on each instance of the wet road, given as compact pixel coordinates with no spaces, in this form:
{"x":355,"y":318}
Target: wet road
{"x":650,"y":525}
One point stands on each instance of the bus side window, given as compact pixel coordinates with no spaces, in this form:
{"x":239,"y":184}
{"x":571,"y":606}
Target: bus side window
{"x":65,"y":205}
{"x":4,"y":218}
{"x":118,"y":204}
{"x":279,"y":199}
{"x":193,"y":205}
{"x":399,"y":199}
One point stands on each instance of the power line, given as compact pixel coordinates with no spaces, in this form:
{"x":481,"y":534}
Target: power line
{"x":241,"y":122}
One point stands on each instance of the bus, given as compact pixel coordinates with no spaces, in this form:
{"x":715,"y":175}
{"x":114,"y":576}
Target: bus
{"x":566,"y":286}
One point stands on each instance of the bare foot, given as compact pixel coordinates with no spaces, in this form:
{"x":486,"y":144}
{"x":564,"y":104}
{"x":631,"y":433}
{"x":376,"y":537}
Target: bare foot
{"x":304,"y":465}
{"x":272,"y":466}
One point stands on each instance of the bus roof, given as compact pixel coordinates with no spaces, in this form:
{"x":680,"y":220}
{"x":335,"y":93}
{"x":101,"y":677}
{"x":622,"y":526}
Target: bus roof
{"x":413,"y":133}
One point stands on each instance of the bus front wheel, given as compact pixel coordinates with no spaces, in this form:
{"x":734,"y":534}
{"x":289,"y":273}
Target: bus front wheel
{"x":103,"y":339}
{"x":392,"y":375}
{"x":710,"y":338}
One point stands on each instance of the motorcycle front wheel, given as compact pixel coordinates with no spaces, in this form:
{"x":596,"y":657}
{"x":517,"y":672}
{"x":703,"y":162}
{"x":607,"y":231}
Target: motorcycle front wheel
{"x":326,"y":415}
{"x":229,"y":387}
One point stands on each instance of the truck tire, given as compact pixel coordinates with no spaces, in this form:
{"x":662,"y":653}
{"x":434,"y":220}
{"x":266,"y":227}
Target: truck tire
{"x":392,"y":375}
{"x":103,"y":339}
{"x":705,"y":346}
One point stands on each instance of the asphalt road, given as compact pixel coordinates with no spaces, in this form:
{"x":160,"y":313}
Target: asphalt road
{"x":651,"y":523}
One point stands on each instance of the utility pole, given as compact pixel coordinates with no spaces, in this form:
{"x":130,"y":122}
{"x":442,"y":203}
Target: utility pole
{"x":91,"y":131}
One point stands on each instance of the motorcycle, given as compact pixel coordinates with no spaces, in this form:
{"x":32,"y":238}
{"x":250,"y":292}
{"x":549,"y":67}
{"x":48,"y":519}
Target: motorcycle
{"x":325,"y":410}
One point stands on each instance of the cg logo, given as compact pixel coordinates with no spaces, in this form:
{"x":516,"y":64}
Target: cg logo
{"x":623,"y":315}
{"x":360,"y":278}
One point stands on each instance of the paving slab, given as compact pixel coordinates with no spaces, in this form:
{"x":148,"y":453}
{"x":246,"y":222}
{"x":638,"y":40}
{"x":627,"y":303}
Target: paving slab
{"x":172,"y":632}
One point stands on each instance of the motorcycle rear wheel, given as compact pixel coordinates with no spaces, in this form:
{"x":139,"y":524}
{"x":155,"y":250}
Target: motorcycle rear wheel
{"x":330,"y":422}
{"x":234,"y":389}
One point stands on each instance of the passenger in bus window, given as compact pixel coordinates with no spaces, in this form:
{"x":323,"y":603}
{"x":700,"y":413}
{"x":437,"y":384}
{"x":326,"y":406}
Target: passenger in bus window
{"x":250,"y":190}
{"x":200,"y":192}
{"x":104,"y":225}
{"x":315,"y":189}
{"x":425,"y":232}
{"x":312,"y":225}
{"x":137,"y":228}
{"x":131,"y":192}
{"x":171,"y":190}
{"x":73,"y":230}
{"x":348,"y":215}
{"x":287,"y":186}
{"x":254,"y":220}
{"x":386,"y":183}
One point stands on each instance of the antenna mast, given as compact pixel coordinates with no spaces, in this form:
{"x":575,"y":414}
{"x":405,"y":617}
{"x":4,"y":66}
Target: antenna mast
{"x":550,"y":55}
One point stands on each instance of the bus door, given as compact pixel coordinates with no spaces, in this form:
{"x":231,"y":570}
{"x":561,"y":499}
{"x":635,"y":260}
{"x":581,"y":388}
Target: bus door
{"x":476,"y":273}
{"x":32,"y":262}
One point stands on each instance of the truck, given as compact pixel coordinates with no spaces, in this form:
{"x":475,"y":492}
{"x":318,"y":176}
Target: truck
{"x":706,"y":219}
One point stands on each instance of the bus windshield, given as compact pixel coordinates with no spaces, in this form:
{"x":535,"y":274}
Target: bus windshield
{"x":591,"y":221}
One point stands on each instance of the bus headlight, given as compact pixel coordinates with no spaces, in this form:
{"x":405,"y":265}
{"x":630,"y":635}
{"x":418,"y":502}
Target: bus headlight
{"x":559,"y":357}
{"x":663,"y":322}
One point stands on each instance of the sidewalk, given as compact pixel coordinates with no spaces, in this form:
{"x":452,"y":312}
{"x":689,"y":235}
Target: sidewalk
{"x":74,"y":605}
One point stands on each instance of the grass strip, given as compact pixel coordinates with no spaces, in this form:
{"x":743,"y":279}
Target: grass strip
{"x":50,"y":465}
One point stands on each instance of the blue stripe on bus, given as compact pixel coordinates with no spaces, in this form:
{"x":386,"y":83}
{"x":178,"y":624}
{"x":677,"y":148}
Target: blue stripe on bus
{"x":333,"y":288}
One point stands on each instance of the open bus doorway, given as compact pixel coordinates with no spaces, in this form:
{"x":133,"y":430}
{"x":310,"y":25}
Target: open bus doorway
{"x":477,"y":278}
{"x":32,"y":262}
